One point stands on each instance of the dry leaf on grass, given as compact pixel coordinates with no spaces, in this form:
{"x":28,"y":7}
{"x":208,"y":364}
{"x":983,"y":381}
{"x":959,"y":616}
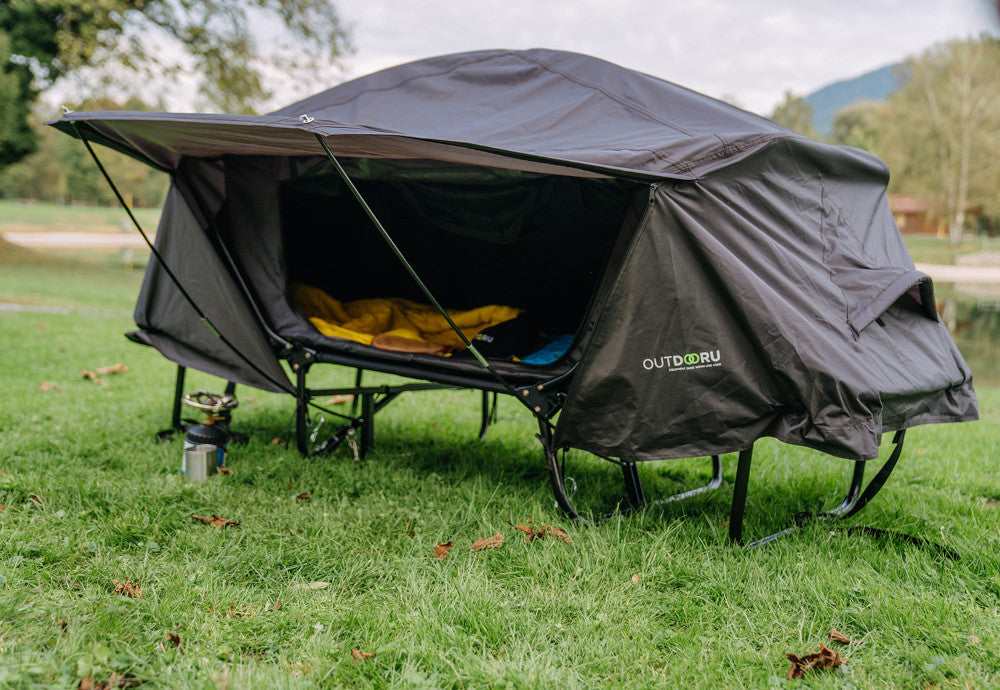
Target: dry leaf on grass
{"x":62,"y":625}
{"x":36,"y":498}
{"x":531,"y":532}
{"x":339,"y":400}
{"x":277,"y":605}
{"x":127,"y":588}
{"x":174,"y":638}
{"x":488,"y":542}
{"x":314,"y":585}
{"x":824,"y":658}
{"x":840,"y":637}
{"x":2,"y":507}
{"x":117,"y":368}
{"x":974,"y":640}
{"x":441,"y":550}
{"x":215,"y":520}
{"x":304,"y":496}
{"x":276,"y":441}
{"x":87,"y":374}
{"x":114,"y":681}
{"x":46,"y":386}
{"x":225,"y":470}
{"x":635,"y":579}
{"x":358,"y":655}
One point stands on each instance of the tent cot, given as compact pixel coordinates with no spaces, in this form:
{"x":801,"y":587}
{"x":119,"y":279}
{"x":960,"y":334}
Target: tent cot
{"x":720,"y":278}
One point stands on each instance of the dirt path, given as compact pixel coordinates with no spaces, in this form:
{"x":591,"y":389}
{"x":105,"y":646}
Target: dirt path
{"x":76,"y":240}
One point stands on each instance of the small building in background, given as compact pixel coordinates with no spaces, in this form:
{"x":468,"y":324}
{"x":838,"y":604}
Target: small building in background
{"x":913,"y":216}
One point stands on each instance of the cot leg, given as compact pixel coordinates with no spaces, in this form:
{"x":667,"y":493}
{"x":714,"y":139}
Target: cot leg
{"x":302,"y":396}
{"x":633,"y":485}
{"x":367,"y":423}
{"x":856,"y":498}
{"x":738,"y":507}
{"x":357,"y":384}
{"x":175,"y":416}
{"x":489,"y":414}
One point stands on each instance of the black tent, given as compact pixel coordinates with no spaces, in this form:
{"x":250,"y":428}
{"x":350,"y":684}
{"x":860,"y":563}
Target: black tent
{"x":720,"y":277}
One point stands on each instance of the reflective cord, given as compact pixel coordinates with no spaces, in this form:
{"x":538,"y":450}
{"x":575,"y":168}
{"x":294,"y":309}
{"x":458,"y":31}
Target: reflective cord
{"x":163,"y":263}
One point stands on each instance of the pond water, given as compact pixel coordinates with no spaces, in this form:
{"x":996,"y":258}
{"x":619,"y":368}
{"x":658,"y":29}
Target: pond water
{"x":972,"y":314}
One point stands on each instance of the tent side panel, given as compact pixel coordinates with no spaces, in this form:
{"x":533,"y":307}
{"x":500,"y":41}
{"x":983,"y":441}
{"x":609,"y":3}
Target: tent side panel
{"x":162,"y":309}
{"x":670,"y":370}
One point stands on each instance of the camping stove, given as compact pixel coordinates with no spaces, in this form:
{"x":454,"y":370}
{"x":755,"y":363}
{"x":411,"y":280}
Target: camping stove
{"x":205,"y":443}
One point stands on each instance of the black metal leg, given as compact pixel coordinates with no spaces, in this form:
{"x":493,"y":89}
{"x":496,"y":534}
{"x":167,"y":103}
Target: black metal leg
{"x":367,"y":423}
{"x":738,"y":508}
{"x":176,"y":424}
{"x":855,"y":500}
{"x":633,"y":484}
{"x":302,"y":396}
{"x":357,"y":384}
{"x":489,"y":414}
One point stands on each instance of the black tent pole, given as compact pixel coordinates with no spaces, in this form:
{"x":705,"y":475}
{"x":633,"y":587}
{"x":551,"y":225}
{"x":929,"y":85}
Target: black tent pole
{"x":413,"y":274}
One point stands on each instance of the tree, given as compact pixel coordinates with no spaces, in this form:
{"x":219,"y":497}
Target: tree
{"x":859,"y":124}
{"x":129,"y":40}
{"x":943,"y":133}
{"x":796,"y":114}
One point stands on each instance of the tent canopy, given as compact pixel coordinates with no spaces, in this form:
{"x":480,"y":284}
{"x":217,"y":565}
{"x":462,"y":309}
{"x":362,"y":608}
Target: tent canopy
{"x":484,"y":108}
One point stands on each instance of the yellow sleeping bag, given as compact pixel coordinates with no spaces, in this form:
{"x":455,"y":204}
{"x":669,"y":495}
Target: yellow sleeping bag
{"x":389,"y":319}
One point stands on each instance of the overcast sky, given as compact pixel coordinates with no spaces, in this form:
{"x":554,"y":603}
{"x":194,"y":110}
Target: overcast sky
{"x":749,"y":51}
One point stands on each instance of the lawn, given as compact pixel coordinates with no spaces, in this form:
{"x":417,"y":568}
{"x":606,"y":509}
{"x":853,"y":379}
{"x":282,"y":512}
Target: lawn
{"x":31,"y":215}
{"x":655,"y":599}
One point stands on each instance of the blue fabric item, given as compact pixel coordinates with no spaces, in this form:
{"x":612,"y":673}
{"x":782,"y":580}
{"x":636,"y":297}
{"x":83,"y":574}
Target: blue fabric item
{"x":554,"y":350}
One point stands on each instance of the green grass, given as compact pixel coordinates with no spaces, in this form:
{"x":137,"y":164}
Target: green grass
{"x":47,"y":216}
{"x":656,"y":599}
{"x":929,"y":249}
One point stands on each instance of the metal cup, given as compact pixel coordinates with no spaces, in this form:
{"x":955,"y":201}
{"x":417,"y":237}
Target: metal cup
{"x":201,"y":461}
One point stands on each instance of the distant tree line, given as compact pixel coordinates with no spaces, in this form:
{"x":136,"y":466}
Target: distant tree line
{"x":939,"y":132}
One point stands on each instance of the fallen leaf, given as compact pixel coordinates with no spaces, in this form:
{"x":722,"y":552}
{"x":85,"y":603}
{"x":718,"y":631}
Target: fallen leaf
{"x":41,"y":324}
{"x":488,"y":542}
{"x":441,"y":550}
{"x":127,"y":588}
{"x":225,"y":470}
{"x":339,"y":400}
{"x":62,"y":625}
{"x":114,"y":681}
{"x":277,"y":605}
{"x":276,"y":441}
{"x":2,"y":508}
{"x":304,"y":496}
{"x":46,"y":386}
{"x":174,"y":638}
{"x":531,"y":532}
{"x":216,"y":520}
{"x":840,"y":637}
{"x":358,"y":655}
{"x":118,"y":368}
{"x":557,"y":533}
{"x":93,"y":377}
{"x":314,"y":585}
{"x":824,"y":658}
{"x":974,"y":640}
{"x":36,"y":499}
{"x":635,"y":579}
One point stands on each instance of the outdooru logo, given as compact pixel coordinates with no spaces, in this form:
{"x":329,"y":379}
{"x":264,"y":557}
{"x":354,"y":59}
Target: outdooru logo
{"x":692,"y":360}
